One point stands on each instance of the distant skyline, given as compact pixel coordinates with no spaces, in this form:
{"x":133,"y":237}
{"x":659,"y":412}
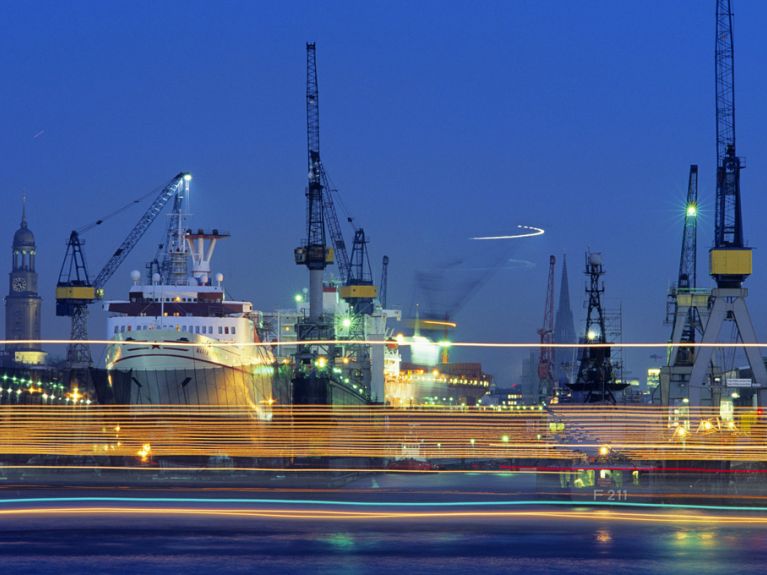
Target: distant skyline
{"x":439,"y":122}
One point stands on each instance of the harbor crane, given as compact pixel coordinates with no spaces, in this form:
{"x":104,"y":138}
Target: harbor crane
{"x":547,"y":381}
{"x":730,"y":259}
{"x":75,"y":290}
{"x":314,"y":252}
{"x":687,"y":305}
{"x":312,"y":380}
{"x":322,"y":218}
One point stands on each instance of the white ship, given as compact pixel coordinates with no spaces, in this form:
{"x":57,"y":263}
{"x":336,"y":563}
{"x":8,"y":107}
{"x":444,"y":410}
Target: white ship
{"x":181,"y":341}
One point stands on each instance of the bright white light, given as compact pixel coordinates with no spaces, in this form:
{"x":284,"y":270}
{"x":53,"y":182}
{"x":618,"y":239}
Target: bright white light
{"x":534,"y":232}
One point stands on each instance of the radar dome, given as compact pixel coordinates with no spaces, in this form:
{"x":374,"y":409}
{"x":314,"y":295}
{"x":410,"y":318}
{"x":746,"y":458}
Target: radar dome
{"x":135,"y":275}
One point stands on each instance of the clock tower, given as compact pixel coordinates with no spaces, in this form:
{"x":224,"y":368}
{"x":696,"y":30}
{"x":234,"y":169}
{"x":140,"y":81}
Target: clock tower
{"x":22,"y":304}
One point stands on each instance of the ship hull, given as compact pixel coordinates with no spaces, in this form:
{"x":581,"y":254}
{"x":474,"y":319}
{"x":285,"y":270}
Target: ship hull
{"x":161,"y":368}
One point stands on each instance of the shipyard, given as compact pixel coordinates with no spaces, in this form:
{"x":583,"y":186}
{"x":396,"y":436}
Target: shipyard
{"x":383,"y":289}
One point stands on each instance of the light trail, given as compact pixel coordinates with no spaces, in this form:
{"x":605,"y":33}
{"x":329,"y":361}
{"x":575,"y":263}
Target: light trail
{"x":531,"y":234}
{"x":403,"y":343}
{"x":591,"y":511}
{"x":385,"y":504}
{"x":438,"y":323}
{"x":647,"y":434}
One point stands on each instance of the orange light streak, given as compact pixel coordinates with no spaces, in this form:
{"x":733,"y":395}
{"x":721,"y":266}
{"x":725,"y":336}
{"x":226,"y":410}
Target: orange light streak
{"x":643,"y":433}
{"x":346,"y":515}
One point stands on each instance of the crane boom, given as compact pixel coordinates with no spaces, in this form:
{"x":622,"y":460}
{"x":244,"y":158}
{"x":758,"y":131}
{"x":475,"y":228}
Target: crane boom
{"x":688,"y":261}
{"x":321,"y":208}
{"x":725,"y":81}
{"x":315,"y":223}
{"x":729,"y":226}
{"x":75,"y":291}
{"x":169,"y":191}
{"x":683,"y":308}
{"x":343,"y":261}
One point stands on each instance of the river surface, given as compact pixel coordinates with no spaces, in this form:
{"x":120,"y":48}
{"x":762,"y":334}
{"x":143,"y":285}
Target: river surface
{"x":171,"y":544}
{"x":114,"y":545}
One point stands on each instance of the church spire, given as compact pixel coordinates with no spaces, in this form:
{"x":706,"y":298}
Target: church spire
{"x":24,"y":210}
{"x":564,"y":330}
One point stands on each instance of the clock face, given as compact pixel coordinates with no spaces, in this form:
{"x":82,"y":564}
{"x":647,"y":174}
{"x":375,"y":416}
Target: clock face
{"x":19,"y":284}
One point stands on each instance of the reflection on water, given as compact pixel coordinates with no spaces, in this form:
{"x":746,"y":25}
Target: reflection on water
{"x":603,"y":536}
{"x":386,"y":548}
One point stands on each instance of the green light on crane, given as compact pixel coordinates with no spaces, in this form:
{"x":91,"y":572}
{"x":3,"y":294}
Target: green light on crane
{"x":692,"y":210}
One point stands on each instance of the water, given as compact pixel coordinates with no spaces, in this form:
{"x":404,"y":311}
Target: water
{"x":130,"y":545}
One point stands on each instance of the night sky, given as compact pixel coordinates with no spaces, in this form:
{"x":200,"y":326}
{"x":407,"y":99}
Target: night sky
{"x":440,"y":121}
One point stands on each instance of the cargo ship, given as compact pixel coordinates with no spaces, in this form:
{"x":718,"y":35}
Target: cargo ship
{"x":178,"y":340}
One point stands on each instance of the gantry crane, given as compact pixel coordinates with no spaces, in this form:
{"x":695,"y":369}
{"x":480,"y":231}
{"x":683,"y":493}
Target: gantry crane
{"x":730,"y":259}
{"x":547,"y":381}
{"x":75,"y":291}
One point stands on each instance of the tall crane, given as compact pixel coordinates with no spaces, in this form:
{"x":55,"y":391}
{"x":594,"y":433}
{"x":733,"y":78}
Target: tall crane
{"x":685,"y":303}
{"x":546,"y":356}
{"x":314,"y":252}
{"x":728,"y":232}
{"x":384,"y":288}
{"x":730,"y":259}
{"x":687,"y":306}
{"x":75,"y":291}
{"x":317,"y":169}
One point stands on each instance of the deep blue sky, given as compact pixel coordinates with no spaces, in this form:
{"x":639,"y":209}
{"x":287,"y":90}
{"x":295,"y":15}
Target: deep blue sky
{"x":440,"y":120}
